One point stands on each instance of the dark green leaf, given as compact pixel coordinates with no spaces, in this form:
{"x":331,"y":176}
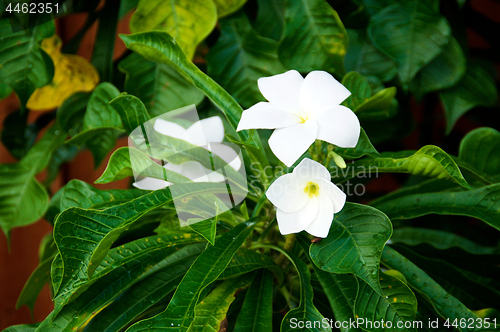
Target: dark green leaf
{"x":205,"y":270}
{"x":240,"y":57}
{"x":355,"y":242}
{"x":256,"y":312}
{"x":160,"y":87}
{"x":362,"y":148}
{"x":227,"y":7}
{"x":314,"y":37}
{"x":70,"y":114}
{"x":359,"y":87}
{"x":270,"y":19}
{"x":481,"y":149}
{"x":104,"y":45}
{"x":25,"y":67}
{"x":131,"y":110}
{"x":34,"y":285}
{"x":380,"y":106}
{"x":412,"y":33}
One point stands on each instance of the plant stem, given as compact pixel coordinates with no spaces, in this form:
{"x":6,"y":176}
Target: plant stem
{"x":289,"y":242}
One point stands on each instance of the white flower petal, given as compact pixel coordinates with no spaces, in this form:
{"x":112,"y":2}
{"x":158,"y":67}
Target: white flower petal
{"x":169,"y":129}
{"x":151,"y":184}
{"x":265,"y":116}
{"x":204,"y":131}
{"x":227,"y":154}
{"x":336,"y":195}
{"x":320,"y":226}
{"x":309,"y":169}
{"x":297,"y":221}
{"x":282,"y":90}
{"x":196,"y":172}
{"x":289,"y":143}
{"x":320,"y":91}
{"x":284,"y":194}
{"x":340,"y":126}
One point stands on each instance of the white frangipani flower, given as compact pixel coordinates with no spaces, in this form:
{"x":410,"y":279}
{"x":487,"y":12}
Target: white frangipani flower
{"x":306,"y":199}
{"x":302,"y":110}
{"x":207,"y":133}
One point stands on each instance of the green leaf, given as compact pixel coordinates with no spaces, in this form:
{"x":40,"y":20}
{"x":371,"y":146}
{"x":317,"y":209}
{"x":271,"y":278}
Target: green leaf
{"x":101,"y":123}
{"x":398,"y":304}
{"x":34,"y":285}
{"x":312,"y":27}
{"x":429,"y":161}
{"x":482,"y":203}
{"x":246,"y":261}
{"x":362,"y":148}
{"x":438,"y":239}
{"x":131,"y":110}
{"x":340,"y":290}
{"x":476,"y":88}
{"x":227,"y":7}
{"x":5,"y":90}
{"x":209,"y":313}
{"x":22,"y":328}
{"x":206,"y":228}
{"x":270,"y":19}
{"x":306,"y":312}
{"x":81,"y":194}
{"x":240,"y":57}
{"x":205,"y":270}
{"x":365,"y":58}
{"x":187,"y":21}
{"x":104,"y":45}
{"x":355,"y":242}
{"x":23,"y":200}
{"x":122,"y":268}
{"x":70,"y":114}
{"x":412,"y":33}
{"x":25,"y":67}
{"x":481,"y":149}
{"x":83,"y":245}
{"x":160,"y":87}
{"x":359,"y":87}
{"x":257,"y":310}
{"x":442,"y":72}
{"x":17,"y":136}
{"x":446,"y":305}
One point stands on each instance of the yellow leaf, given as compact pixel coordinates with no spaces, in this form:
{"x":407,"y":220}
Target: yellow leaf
{"x":72,"y":73}
{"x":188,"y":21}
{"x":226,"y":7}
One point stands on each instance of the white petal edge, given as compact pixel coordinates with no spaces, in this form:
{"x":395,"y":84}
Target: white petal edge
{"x":226,"y":153}
{"x":168,"y":128}
{"x":263,"y":115}
{"x":204,"y":131}
{"x":309,"y":169}
{"x":320,"y":226}
{"x":282,"y":91}
{"x":151,"y":184}
{"x":337,"y":196}
{"x":289,"y":143}
{"x":340,"y":126}
{"x":320,"y":91}
{"x":297,"y":221}
{"x":285,"y":195}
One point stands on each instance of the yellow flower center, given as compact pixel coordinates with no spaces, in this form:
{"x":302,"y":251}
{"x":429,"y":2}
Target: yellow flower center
{"x":304,"y":118}
{"x":312,"y":189}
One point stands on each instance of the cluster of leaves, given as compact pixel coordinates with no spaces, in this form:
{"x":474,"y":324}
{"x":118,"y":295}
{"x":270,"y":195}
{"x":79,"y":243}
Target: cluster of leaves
{"x":118,"y":260}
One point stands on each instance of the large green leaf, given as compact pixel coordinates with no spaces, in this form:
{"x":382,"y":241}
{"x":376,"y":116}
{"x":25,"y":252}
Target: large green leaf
{"x":188,"y":21}
{"x":363,"y":147}
{"x":446,"y":305}
{"x":396,"y":305}
{"x":412,"y":33}
{"x":257,"y":310}
{"x":131,"y":110}
{"x":84,"y":244}
{"x":340,"y":290}
{"x":104,"y":45}
{"x":442,"y":72}
{"x":482,"y":203}
{"x":481,"y":149}
{"x":476,"y":88}
{"x":34,"y":285}
{"x":209,"y":313}
{"x":25,"y":67}
{"x":429,"y":161}
{"x":123,"y":267}
{"x":314,"y":37}
{"x":270,"y":19}
{"x":240,"y":57}
{"x":70,"y":114}
{"x":205,"y":270}
{"x":23,"y":200}
{"x":160,"y":87}
{"x":365,"y":58}
{"x":101,"y":123}
{"x":226,"y":7}
{"x":355,"y":242}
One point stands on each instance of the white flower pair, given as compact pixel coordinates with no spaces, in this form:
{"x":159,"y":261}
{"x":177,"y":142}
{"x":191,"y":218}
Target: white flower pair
{"x":303,"y":110}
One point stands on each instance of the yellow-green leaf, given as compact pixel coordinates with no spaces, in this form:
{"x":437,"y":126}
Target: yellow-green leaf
{"x":226,"y":7}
